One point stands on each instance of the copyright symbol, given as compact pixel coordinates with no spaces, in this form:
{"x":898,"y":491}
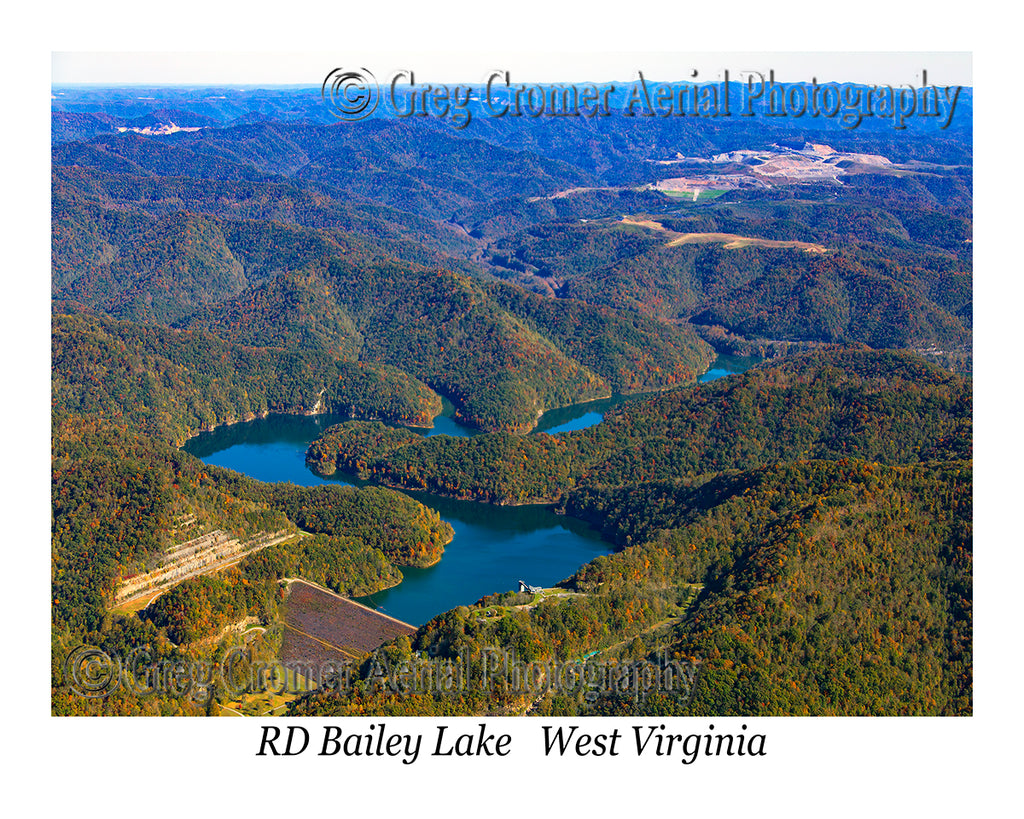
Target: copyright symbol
{"x":91,"y":672}
{"x":351,"y":95}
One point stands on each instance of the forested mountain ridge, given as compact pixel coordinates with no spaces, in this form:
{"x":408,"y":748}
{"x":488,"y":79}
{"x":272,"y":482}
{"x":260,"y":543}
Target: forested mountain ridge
{"x":801,"y":531}
{"x":86,"y":200}
{"x":183,"y":264}
{"x":888,"y":407}
{"x":501,"y":358}
{"x":119,"y":499}
{"x":896,"y":274}
{"x":174,"y":383}
{"x":426,"y":170}
{"x":900,"y":294}
{"x":126,"y":395}
{"x":813,"y":587}
{"x":601,"y":144}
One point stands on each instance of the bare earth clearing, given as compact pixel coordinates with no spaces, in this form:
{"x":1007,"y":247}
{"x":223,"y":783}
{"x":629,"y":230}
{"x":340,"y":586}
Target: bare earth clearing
{"x":205,"y":554}
{"x":731,"y":241}
{"x":322,"y":626}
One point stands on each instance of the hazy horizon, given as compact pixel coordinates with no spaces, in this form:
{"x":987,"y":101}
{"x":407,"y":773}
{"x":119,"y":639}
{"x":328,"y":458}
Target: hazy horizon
{"x":271,"y":69}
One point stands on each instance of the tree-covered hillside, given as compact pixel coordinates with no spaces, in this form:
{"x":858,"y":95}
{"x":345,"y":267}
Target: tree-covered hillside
{"x":813,"y":587}
{"x":888,"y":407}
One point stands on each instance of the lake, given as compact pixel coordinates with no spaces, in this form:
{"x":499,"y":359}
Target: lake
{"x":494,"y":546}
{"x":728,"y":365}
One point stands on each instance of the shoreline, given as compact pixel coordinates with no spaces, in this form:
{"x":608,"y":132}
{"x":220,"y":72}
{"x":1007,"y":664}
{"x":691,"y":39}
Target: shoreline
{"x":266,"y":413}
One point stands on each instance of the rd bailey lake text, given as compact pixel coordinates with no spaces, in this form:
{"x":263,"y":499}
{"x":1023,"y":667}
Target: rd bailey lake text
{"x":376,"y":740}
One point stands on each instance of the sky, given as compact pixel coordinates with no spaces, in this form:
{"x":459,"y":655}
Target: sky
{"x":309,"y":67}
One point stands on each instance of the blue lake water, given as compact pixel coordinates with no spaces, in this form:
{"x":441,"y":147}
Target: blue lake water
{"x":728,"y":365}
{"x":581,"y":416}
{"x":494,"y":546}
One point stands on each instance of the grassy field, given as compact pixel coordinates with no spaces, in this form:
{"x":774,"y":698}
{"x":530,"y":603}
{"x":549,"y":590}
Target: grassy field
{"x":284,"y":687}
{"x":525,"y":601}
{"x":687,"y":196}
